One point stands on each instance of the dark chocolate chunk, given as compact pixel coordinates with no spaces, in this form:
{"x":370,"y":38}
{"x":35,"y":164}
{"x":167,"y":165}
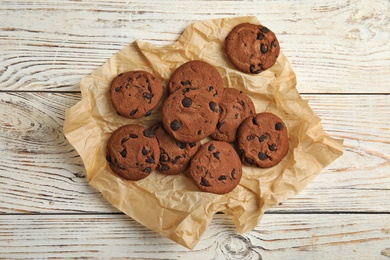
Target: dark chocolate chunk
{"x":192,"y":145}
{"x":204,"y":182}
{"x":124,"y":140}
{"x":199,"y":132}
{"x":108,"y":158}
{"x":132,"y":113}
{"x":148,"y":113}
{"x":219,"y":125}
{"x":250,"y":137}
{"x":272,"y":147}
{"x":211,"y":88}
{"x":132,"y":136}
{"x":213,"y":106}
{"x":150,"y":160}
{"x":262,"y":156}
{"x":145,"y":151}
{"x":254,"y":121}
{"x":175,"y":125}
{"x":233,"y":174}
{"x":174,"y":161}
{"x":263,"y":137}
{"x":249,"y":160}
{"x":181,"y":145}
{"x":211,"y":147}
{"x":147,"y":169}
{"x":148,"y":133}
{"x":222,"y":178}
{"x":185,"y":82}
{"x":123,"y":153}
{"x":260,"y":36}
{"x":186,"y":102}
{"x":264,"y":30}
{"x":216,"y":155}
{"x":117,"y":89}
{"x":279,"y":126}
{"x":164,"y":168}
{"x":263,"y":48}
{"x":148,"y":95}
{"x":253,"y":70}
{"x":164,"y":157}
{"x":273,"y":44}
{"x":120,"y":166}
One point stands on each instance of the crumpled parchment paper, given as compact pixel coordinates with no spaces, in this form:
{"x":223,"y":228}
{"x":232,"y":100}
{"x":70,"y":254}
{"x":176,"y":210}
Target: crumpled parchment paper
{"x":172,"y":205}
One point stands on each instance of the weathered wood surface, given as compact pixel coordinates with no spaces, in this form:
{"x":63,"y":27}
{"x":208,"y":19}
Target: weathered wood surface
{"x":340,"y":51}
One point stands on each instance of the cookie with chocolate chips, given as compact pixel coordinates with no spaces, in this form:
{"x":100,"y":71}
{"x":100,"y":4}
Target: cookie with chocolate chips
{"x":135,"y":93}
{"x":216,"y":168}
{"x":175,"y":156}
{"x":132,"y":152}
{"x":189,"y":115}
{"x":197,"y":74}
{"x":234,"y":107}
{"x":252,"y":48}
{"x":263,"y":140}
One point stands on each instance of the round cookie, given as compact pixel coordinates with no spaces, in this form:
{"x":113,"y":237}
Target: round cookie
{"x":263,"y":140}
{"x":132,"y":152}
{"x":252,"y":48}
{"x":189,"y":115}
{"x":197,"y":74}
{"x":216,"y":167}
{"x":175,"y":156}
{"x":234,"y":107}
{"x":135,"y":93}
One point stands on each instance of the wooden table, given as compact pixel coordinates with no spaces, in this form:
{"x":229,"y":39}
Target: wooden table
{"x":340,"y":51}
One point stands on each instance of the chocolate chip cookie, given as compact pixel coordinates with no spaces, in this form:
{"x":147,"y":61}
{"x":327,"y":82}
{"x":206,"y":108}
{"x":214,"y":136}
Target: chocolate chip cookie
{"x":135,"y":93}
{"x":234,"y":107}
{"x":263,"y":140}
{"x":216,"y":167}
{"x":252,"y":48}
{"x":189,"y":115}
{"x":197,"y":74}
{"x":175,"y":156}
{"x":132,"y":152}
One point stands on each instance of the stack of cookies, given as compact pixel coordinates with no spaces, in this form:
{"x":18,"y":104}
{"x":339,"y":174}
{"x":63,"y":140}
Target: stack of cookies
{"x":199,"y":106}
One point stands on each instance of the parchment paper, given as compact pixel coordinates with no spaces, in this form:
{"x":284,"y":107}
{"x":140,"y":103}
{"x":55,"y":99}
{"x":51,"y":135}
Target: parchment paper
{"x":172,"y":205}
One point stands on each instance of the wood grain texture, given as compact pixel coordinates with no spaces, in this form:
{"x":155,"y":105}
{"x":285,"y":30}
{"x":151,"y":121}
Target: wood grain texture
{"x":341,"y":47}
{"x":279,"y":236}
{"x":41,"y":172}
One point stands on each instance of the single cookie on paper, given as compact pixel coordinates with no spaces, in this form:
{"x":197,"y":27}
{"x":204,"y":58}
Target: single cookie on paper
{"x":252,"y":48}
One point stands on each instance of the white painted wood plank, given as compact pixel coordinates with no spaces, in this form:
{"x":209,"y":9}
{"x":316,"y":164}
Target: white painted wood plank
{"x":41,"y":172}
{"x":279,"y":236}
{"x":334,"y":47}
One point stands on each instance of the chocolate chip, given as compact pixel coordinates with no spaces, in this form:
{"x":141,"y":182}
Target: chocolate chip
{"x":213,"y":106}
{"x":211,"y":88}
{"x":263,"y":137}
{"x":164,"y":157}
{"x":200,"y":132}
{"x":174,"y":161}
{"x":108,"y":158}
{"x":273,"y":44}
{"x":219,"y":125}
{"x":264,"y":30}
{"x":249,"y":160}
{"x":148,"y":95}
{"x":124,"y":140}
{"x":233,"y":174}
{"x":164,"y":168}
{"x":175,"y":125}
{"x":211,"y":147}
{"x":149,"y":88}
{"x":241,"y":152}
{"x":215,"y":94}
{"x":145,"y":151}
{"x":123,"y":153}
{"x":133,"y":112}
{"x":148,"y":113}
{"x":263,"y":48}
{"x":181,"y":145}
{"x":133,"y":136}
{"x":147,"y":169}
{"x":120,"y":166}
{"x":254,"y":121}
{"x":216,"y":155}
{"x":279,"y":126}
{"x":260,"y":36}
{"x":222,"y":178}
{"x":253,"y":70}
{"x":204,"y":182}
{"x":250,"y":137}
{"x":117,"y":89}
{"x":192,"y":145}
{"x":262,"y":156}
{"x":148,"y":133}
{"x":236,"y":116}
{"x":129,"y":78}
{"x":186,"y":102}
{"x":150,"y":160}
{"x":185,"y":82}
{"x":272,"y":147}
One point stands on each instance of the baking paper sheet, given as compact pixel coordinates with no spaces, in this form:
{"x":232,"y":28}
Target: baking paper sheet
{"x":172,"y":205}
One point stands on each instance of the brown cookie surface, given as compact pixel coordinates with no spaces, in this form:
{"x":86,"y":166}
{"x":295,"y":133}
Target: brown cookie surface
{"x":252,"y":48}
{"x":189,"y":115}
{"x":197,"y":74}
{"x":175,"y":156}
{"x":234,"y":107}
{"x":216,"y":167}
{"x":132,"y":152}
{"x":263,"y":140}
{"x":135,"y":93}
